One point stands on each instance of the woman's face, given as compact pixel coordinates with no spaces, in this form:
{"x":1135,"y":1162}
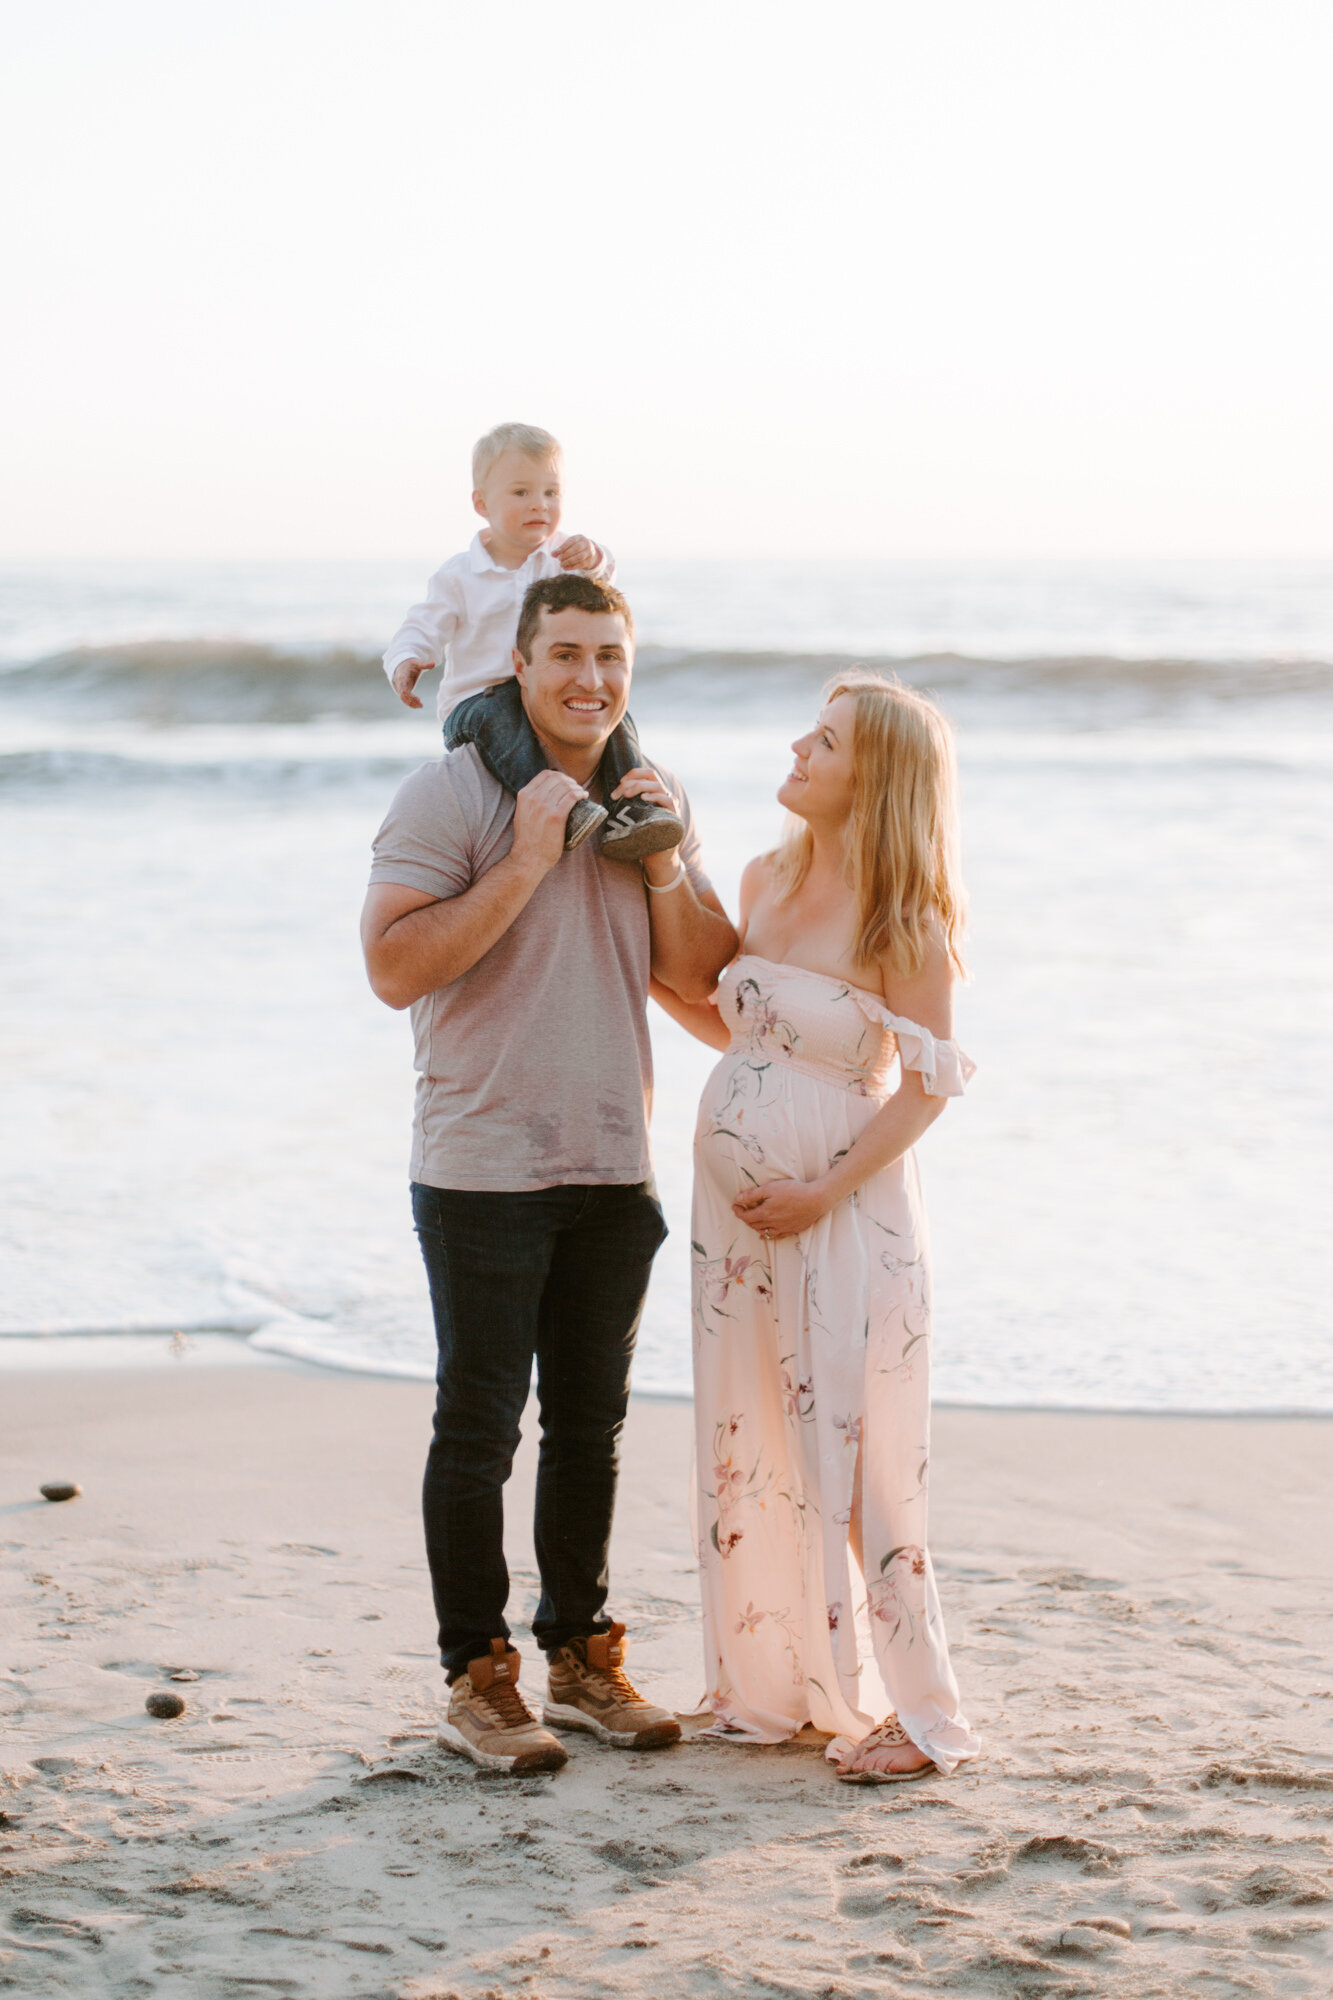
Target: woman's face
{"x":819,"y":784}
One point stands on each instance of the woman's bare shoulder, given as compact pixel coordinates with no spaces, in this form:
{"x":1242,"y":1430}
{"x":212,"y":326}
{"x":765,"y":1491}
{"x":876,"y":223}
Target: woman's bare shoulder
{"x":926,"y":995}
{"x":757,"y":883}
{"x":757,"y":872}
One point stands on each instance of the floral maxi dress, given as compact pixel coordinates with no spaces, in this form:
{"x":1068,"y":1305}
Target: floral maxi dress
{"x":811,"y":1372}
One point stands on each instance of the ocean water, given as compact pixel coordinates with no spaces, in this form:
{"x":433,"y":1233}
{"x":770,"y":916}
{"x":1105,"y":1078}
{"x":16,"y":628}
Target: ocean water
{"x":204,"y":1113}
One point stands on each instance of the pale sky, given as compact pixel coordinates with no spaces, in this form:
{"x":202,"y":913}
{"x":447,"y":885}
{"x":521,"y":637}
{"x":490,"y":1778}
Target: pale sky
{"x":995,"y":277}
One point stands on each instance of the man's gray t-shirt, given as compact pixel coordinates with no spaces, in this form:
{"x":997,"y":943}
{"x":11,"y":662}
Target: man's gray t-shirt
{"x":534,"y":1067}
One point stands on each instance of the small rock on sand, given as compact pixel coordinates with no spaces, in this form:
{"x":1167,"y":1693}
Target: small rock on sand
{"x":1090,"y":1938}
{"x":165,"y":1705}
{"x":61,"y":1489}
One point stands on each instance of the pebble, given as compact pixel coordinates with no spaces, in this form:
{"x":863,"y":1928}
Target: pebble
{"x":165,"y":1705}
{"x":61,"y":1489}
{"x":1091,"y":1938}
{"x":185,"y":1674}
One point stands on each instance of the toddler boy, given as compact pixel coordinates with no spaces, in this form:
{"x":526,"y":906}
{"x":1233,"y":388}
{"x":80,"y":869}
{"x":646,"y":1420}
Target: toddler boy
{"x":469,"y":620}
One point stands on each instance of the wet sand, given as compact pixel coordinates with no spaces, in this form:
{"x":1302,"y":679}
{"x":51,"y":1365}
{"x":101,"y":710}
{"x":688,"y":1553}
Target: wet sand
{"x":1142,"y":1620}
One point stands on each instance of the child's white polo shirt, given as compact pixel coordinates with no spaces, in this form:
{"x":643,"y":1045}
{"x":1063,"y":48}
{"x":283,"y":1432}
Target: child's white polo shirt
{"x":469,"y":617}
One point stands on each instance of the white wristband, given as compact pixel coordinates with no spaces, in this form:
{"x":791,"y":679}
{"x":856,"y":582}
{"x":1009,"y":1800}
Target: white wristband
{"x":667,"y":887}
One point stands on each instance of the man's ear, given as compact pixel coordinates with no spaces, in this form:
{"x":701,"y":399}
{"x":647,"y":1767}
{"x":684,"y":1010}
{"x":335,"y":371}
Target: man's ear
{"x":520,"y":665}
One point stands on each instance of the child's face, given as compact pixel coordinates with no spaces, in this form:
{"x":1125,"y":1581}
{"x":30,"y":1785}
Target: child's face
{"x":521,"y":499}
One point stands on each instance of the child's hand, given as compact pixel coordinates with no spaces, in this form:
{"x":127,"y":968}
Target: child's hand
{"x":405,"y":677}
{"x":579,"y":553}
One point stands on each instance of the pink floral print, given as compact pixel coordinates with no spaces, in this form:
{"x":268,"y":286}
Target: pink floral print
{"x":812,"y":1379}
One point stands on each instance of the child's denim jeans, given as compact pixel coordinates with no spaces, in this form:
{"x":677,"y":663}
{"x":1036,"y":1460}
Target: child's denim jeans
{"x":496,"y":722}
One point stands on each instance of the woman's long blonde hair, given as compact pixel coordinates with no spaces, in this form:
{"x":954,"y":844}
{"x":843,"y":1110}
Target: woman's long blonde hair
{"x":902,"y":832}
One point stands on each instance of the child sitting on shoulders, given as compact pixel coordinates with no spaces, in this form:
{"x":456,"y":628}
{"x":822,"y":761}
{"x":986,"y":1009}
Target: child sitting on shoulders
{"x":469,"y":619}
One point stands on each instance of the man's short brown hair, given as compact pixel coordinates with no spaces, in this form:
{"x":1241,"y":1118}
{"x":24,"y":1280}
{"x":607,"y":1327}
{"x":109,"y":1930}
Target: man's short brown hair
{"x":570,"y":592}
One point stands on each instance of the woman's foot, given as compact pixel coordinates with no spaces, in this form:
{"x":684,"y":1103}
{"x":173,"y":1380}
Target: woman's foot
{"x":887,"y":1756}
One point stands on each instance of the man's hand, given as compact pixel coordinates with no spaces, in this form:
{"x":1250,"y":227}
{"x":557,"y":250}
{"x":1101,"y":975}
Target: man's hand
{"x":579,"y":553}
{"x":540,"y":812}
{"x":644,"y":783}
{"x":414,"y":942}
{"x":405,"y":677}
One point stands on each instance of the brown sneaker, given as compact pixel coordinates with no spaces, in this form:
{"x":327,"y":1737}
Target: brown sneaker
{"x":490,"y":1722}
{"x":588,"y":1688}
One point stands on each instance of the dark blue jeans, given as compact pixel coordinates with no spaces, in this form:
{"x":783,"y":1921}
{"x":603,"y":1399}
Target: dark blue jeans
{"x":497,"y":722}
{"x":559,"y":1275}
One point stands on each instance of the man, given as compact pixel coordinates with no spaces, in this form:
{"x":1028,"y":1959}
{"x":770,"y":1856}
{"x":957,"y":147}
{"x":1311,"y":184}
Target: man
{"x":527,"y":970}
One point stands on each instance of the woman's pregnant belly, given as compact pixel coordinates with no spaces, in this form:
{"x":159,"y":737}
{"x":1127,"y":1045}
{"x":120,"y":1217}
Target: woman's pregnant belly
{"x":762,"y":1120}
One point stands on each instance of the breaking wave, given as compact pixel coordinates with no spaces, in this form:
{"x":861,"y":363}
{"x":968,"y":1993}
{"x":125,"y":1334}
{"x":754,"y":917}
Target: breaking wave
{"x":179,"y":682}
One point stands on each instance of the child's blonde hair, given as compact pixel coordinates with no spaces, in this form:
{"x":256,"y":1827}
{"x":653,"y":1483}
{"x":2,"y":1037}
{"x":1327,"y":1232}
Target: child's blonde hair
{"x":533,"y":443}
{"x":902,"y":832}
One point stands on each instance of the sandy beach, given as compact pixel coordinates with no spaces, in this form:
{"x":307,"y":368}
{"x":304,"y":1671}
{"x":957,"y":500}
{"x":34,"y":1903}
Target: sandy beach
{"x":1140,"y":1612}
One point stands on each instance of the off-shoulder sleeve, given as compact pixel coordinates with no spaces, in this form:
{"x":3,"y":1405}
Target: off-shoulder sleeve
{"x":945,"y":1071}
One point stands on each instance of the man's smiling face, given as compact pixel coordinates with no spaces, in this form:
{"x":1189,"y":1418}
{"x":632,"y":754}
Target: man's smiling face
{"x":576,"y":685}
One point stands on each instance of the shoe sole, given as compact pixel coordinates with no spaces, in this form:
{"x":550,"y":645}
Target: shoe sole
{"x":590,"y":825}
{"x":887,"y":1777}
{"x":523,"y":1765}
{"x":654,"y":836}
{"x":556,"y":1715}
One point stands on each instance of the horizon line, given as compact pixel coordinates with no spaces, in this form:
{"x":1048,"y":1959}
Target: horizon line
{"x":632,"y":554}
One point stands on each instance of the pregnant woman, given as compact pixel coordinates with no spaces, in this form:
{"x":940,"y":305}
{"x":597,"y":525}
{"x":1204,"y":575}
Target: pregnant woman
{"x":811,"y":1261}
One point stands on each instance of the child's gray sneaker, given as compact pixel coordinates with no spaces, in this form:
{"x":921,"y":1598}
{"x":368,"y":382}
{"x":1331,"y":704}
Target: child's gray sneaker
{"x":637,"y":829}
{"x":584,"y":818}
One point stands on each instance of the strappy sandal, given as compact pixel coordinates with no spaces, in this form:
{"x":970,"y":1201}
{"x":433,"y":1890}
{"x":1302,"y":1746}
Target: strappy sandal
{"x":889,"y":1735}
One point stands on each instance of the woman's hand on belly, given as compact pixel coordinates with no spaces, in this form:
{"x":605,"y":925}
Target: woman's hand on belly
{"x":783,"y":1208}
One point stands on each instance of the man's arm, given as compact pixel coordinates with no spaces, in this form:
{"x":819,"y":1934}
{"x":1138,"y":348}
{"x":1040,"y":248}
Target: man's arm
{"x":692,"y":934}
{"x":414,"y":942}
{"x":699,"y":1018}
{"x":692,"y":937}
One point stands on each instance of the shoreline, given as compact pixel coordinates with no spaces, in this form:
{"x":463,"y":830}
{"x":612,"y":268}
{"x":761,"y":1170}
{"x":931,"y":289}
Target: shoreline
{"x":1141,"y":1618}
{"x":61,"y":1354}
